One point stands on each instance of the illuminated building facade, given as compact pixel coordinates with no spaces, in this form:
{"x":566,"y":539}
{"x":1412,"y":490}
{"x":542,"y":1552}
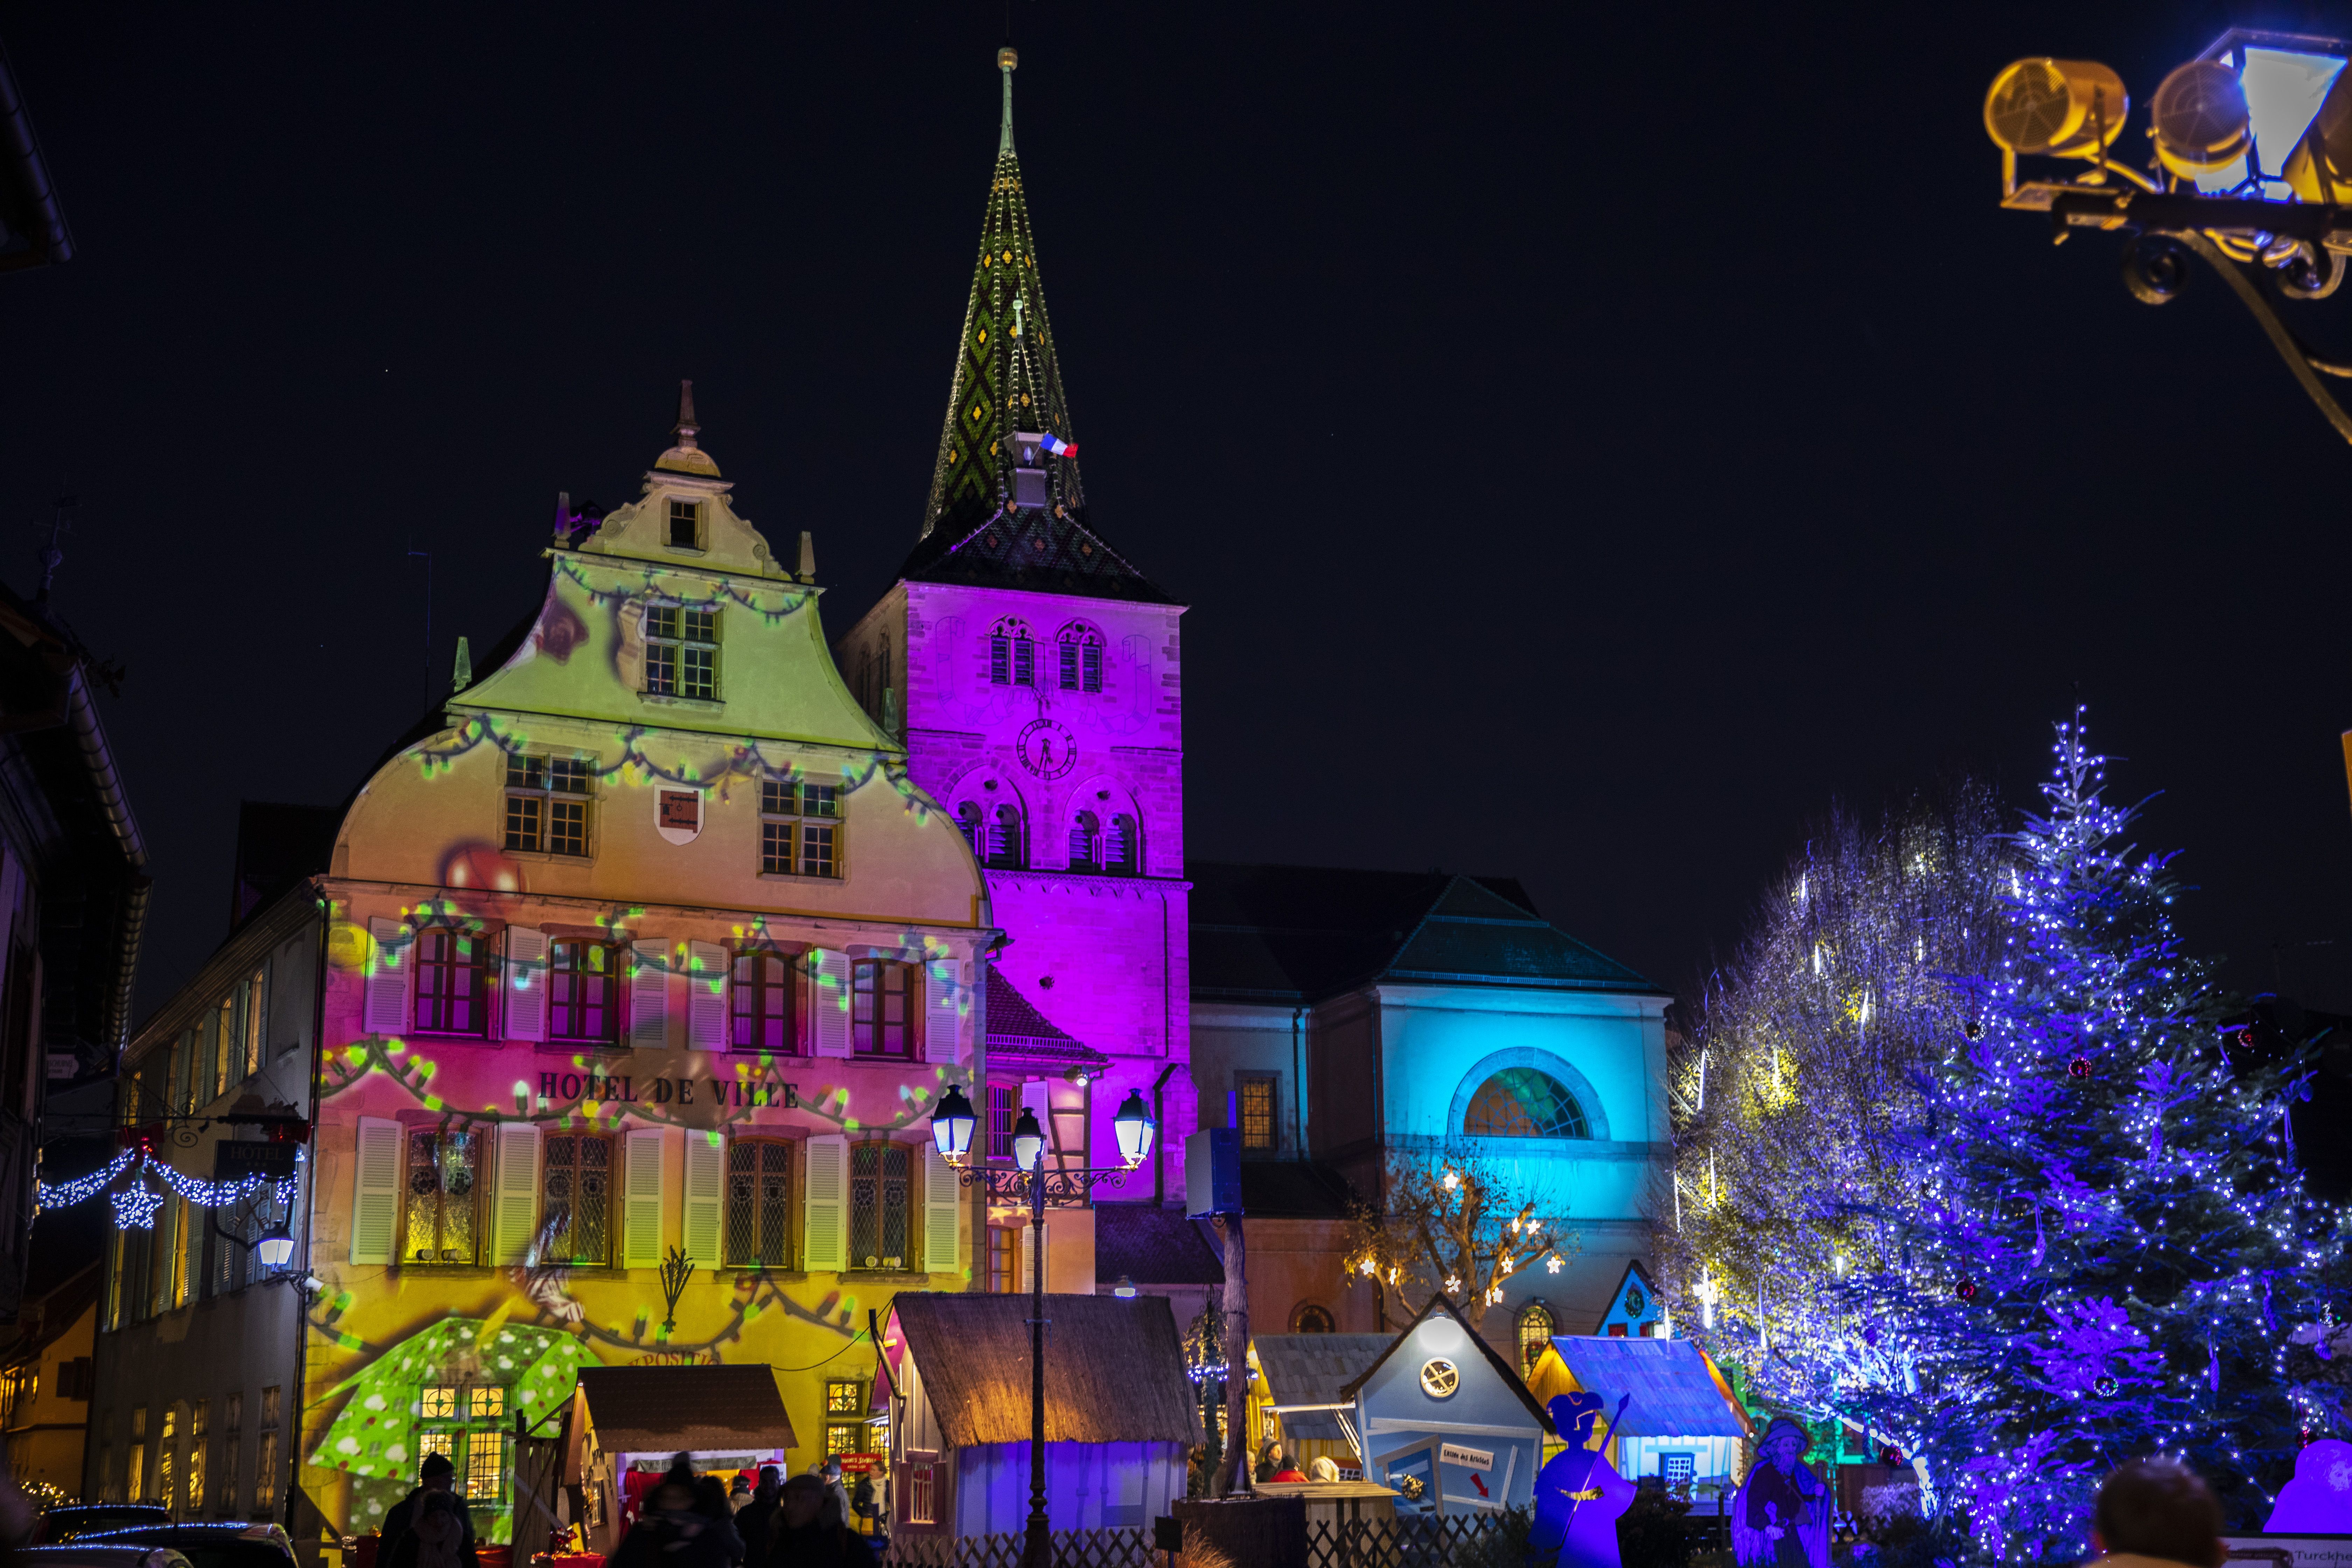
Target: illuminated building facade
{"x":1035,"y":674}
{"x":640,"y":952}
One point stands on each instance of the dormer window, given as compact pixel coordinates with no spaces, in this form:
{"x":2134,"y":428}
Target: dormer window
{"x":686,"y":524}
{"x":681,"y":652}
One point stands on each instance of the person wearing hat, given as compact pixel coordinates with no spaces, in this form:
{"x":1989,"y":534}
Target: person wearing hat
{"x":435,"y":1476}
{"x":1579,"y":1493}
{"x":1781,"y":1517}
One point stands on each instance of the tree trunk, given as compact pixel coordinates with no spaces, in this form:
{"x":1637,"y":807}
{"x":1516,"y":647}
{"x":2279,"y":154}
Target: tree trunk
{"x":1230,"y":1477}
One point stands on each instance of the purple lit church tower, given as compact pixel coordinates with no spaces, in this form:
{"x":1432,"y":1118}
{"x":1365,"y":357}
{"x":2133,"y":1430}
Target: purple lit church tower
{"x":1035,"y":675}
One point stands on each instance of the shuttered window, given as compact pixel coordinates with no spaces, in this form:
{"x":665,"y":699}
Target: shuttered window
{"x":759,"y":1202}
{"x":577,"y":1191}
{"x":878,"y":1182}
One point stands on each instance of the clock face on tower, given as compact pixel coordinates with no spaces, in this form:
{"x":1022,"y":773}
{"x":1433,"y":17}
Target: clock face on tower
{"x":1047,"y":750}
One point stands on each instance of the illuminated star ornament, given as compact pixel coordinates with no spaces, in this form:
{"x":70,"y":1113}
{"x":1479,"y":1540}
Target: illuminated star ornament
{"x":135,"y":1206}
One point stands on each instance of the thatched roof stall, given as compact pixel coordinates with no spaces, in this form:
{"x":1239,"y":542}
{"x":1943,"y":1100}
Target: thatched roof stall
{"x":1119,"y":1415}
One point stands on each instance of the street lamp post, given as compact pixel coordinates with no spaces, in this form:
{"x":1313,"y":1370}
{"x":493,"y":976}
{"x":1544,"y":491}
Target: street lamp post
{"x":1028,"y":1180}
{"x":2250,"y":172}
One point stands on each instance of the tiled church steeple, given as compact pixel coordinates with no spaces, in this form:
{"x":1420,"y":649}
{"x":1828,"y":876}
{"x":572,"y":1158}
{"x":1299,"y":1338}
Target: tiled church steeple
{"x":1003,"y":509}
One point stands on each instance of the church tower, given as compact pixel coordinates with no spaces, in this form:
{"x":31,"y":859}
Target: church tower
{"x":1035,"y":675}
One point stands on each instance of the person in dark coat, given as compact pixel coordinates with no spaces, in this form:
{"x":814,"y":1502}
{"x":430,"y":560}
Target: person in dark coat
{"x":755,"y":1519}
{"x":675,"y":1533}
{"x":802,"y":1538}
{"x":436,"y":1475}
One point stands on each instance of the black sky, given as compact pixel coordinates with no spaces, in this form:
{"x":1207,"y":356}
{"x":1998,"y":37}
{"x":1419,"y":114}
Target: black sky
{"x":1588,"y":441}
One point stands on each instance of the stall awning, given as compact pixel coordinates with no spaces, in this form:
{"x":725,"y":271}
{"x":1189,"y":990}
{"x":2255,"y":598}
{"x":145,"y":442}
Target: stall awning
{"x":1675,"y":1392}
{"x":690,"y":1409}
{"x":1304,"y":1375}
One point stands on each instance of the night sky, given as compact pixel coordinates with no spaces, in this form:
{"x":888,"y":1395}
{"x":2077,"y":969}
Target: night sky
{"x":1587,"y":446}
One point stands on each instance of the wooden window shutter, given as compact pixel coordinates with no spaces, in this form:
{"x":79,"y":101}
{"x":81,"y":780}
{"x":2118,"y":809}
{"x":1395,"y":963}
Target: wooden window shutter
{"x":1028,"y":1257}
{"x":646,"y":1176}
{"x":942,"y":1212}
{"x":829,"y":1002}
{"x":389,"y":947}
{"x":707,"y":964}
{"x":648,"y":996}
{"x":944,"y":1018}
{"x":525,"y":979}
{"x":375,"y":1190}
{"x":824,"y":1210}
{"x":515,"y":1213}
{"x":705,"y":1185}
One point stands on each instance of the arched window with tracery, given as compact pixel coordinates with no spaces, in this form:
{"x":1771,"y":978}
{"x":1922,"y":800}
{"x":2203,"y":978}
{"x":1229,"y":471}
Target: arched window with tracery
{"x":1079,"y":649}
{"x":1012,"y":654}
{"x":1525,"y":1103}
{"x":1085,"y":842}
{"x":1122,"y":847}
{"x":974,"y":826}
{"x":1311,"y":1318}
{"x":1536,"y":1328}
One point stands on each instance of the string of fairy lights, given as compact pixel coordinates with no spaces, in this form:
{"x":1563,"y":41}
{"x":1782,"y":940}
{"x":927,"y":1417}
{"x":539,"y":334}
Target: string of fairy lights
{"x":2066,"y":1232}
{"x":136,"y":1201}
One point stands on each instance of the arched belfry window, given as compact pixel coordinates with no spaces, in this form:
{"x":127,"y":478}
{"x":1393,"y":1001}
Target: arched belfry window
{"x":1012,"y":654}
{"x":1007,"y":843}
{"x":974,"y":826}
{"x":1080,"y":651}
{"x":1122,"y":847}
{"x":1525,"y":1103}
{"x":993,"y":826}
{"x":1085,"y":842}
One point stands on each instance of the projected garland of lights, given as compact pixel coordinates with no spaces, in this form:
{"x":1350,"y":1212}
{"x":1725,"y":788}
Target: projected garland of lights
{"x":135,"y":1202}
{"x":2250,"y":170}
{"x":2135,"y":1237}
{"x":717,"y":595}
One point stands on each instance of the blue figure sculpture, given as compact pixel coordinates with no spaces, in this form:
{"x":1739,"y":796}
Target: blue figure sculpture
{"x":1781,"y":1517}
{"x":1579,"y":1493}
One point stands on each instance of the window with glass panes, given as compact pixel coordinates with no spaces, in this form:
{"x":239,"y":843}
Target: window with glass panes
{"x":577,"y":1185}
{"x":1012,"y":654}
{"x":877,"y":1205}
{"x":547,"y":805}
{"x":1003,"y":1258}
{"x":581,"y":993}
{"x":466,"y":1425}
{"x":1080,"y":651}
{"x":685,"y":523}
{"x":759,"y":1202}
{"x":1535,"y":1332}
{"x":681,"y":651}
{"x":882,"y":1007}
{"x":800,"y":829}
{"x":1260,"y":1130}
{"x":761,"y":1004}
{"x":443,"y":1198}
{"x":452,"y":981}
{"x":1004,"y":1111}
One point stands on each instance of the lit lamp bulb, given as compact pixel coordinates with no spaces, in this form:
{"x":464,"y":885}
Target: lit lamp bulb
{"x":1028,"y":1141}
{"x":1135,"y":1128}
{"x":277,"y":1248}
{"x":952,"y":1125}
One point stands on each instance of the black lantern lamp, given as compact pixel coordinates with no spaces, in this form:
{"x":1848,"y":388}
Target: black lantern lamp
{"x":952,"y":1125}
{"x":1135,"y":1128}
{"x":1028,"y":1141}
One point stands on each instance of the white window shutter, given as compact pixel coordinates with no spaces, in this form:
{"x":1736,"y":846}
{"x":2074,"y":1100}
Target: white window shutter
{"x":515,"y":1213}
{"x":825,"y":1209}
{"x":646,"y":1175}
{"x":648,"y":995}
{"x":943,"y":1019}
{"x":524,"y":977}
{"x":389,"y":947}
{"x":375,"y":1191}
{"x":706,"y":997}
{"x":1028,"y":1257}
{"x":193,"y":1229}
{"x":829,"y":1002}
{"x":706,"y":1180}
{"x":942,"y":1212}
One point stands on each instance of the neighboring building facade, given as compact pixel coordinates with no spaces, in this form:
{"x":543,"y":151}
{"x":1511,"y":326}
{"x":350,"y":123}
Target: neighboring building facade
{"x":642,"y":950}
{"x":44,"y":1386}
{"x":1037,"y":676}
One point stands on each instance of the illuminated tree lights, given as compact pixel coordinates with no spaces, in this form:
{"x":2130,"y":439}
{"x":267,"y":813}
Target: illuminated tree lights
{"x":135,"y":1202}
{"x":2080,"y":1237}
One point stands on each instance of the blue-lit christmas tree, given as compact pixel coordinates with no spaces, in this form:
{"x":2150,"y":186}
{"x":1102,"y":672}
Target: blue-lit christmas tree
{"x":2109,"y":1246}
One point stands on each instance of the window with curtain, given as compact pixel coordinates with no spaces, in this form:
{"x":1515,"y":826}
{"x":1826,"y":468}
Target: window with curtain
{"x":576,"y":1183}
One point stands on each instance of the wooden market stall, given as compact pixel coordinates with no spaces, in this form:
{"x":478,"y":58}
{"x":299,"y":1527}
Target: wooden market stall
{"x":1120,"y":1415}
{"x":629,"y":1422}
{"x":1683,"y":1424}
{"x":1446,"y":1421}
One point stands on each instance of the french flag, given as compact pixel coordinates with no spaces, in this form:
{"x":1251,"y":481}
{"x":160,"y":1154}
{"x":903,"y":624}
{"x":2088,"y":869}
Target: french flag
{"x":1055,"y":447}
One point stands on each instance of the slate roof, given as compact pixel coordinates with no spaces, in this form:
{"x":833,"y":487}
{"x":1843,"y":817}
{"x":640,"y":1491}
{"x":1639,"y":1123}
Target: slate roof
{"x":1151,"y":1245}
{"x":1297,"y":1189}
{"x":1114,"y":1369}
{"x":1311,"y":1369}
{"x":1299,"y":934}
{"x":1044,"y":551}
{"x":1020,"y":1036}
{"x":1675,"y":1392}
{"x":666,"y":1409}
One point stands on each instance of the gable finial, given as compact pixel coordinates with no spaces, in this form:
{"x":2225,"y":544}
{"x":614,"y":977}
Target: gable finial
{"x":686,"y":425}
{"x":1007,"y":60}
{"x":686,"y":455}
